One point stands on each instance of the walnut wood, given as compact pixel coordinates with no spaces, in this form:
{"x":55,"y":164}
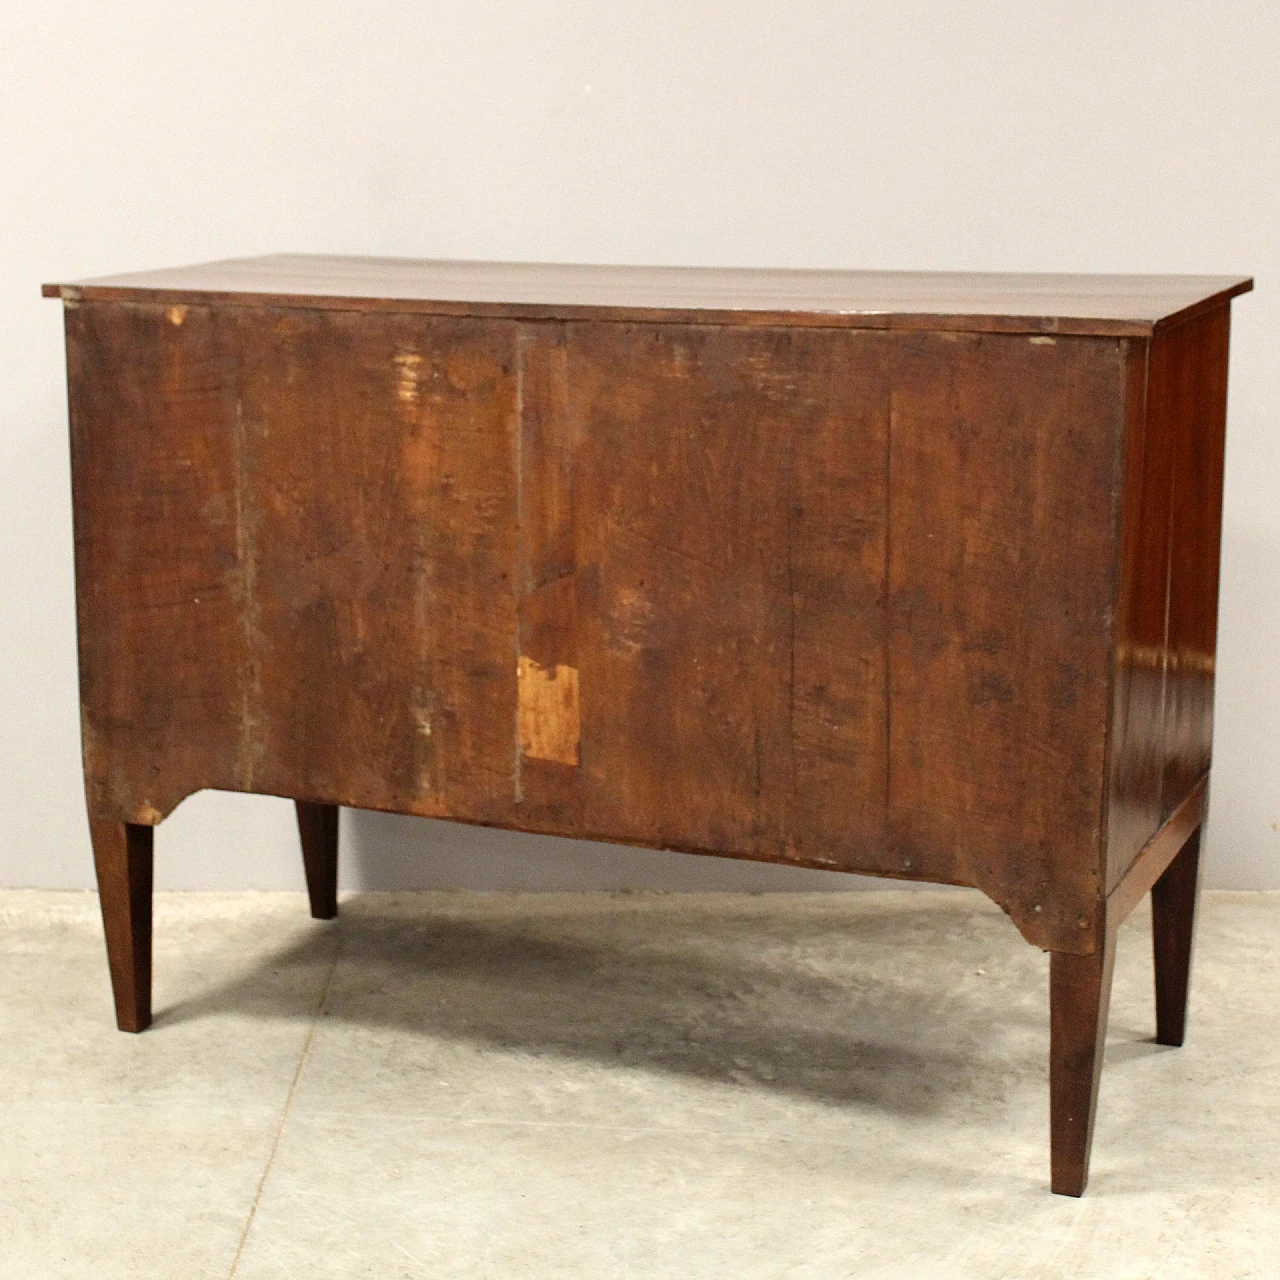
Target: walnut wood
{"x":122,"y":856}
{"x":992,"y":302}
{"x":397,"y":537}
{"x":1188,"y":390}
{"x":1159,"y":852}
{"x":1162,"y":708}
{"x":1173,"y":910}
{"x":907,"y":575}
{"x":1005,"y":463}
{"x":1079,"y":986}
{"x":1079,"y":1000}
{"x":318,"y":832}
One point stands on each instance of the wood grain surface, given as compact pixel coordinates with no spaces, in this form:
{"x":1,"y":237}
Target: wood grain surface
{"x":1167,"y":610}
{"x":994,"y":302}
{"x":844,"y":598}
{"x":1006,"y":464}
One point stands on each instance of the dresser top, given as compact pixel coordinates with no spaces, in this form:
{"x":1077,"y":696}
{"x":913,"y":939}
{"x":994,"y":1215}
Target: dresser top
{"x":1001,"y":303}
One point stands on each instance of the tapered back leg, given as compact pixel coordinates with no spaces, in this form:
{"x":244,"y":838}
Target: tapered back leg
{"x":318,"y":830}
{"x":1173,"y":912}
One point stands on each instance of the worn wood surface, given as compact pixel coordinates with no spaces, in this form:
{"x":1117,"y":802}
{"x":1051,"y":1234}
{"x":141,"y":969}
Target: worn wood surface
{"x":730,"y":523}
{"x":839,"y":598}
{"x":162,"y":599}
{"x":375,"y":463}
{"x":973,"y":301}
{"x":1006,"y":464}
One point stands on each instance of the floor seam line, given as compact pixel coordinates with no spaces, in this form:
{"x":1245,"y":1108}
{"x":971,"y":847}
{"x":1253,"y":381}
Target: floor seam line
{"x":288,"y":1106}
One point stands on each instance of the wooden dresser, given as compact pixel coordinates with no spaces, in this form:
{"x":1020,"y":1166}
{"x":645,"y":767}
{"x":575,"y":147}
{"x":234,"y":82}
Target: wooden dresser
{"x":906,"y":574}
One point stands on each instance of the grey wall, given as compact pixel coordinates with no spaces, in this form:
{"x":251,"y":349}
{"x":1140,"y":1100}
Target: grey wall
{"x":991,"y":135}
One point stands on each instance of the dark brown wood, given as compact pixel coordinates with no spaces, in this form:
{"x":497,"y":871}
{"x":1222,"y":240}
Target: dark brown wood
{"x":1159,"y":852}
{"x":318,"y":832}
{"x":1138,"y":661}
{"x":906,"y":575}
{"x":1079,"y":1000}
{"x":123,"y":860}
{"x":729,"y":509}
{"x":1188,"y":390}
{"x":376,"y":525}
{"x":1079,"y":986}
{"x":1006,"y":460}
{"x":991,"y":302}
{"x":1167,"y":612}
{"x":865,"y":661}
{"x":163,"y":593}
{"x":1173,"y":911}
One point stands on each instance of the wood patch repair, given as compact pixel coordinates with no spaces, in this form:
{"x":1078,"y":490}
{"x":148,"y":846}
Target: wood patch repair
{"x":548,"y":722}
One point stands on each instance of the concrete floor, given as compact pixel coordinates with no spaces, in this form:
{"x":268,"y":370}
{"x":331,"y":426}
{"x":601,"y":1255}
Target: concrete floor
{"x":801,"y":1086}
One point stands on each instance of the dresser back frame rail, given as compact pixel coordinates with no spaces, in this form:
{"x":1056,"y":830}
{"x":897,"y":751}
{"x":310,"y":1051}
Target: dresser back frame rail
{"x":908,"y":576}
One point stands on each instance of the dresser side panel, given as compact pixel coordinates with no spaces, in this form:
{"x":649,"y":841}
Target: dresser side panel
{"x":1189,"y":395}
{"x":1006,"y":468}
{"x":1167,"y":645}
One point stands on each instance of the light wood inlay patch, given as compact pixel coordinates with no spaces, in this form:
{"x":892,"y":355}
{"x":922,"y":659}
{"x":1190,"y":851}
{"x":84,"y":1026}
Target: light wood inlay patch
{"x":548,"y":721}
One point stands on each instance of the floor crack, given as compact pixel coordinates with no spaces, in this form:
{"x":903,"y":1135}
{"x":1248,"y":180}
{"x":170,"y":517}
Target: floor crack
{"x":288,"y":1105}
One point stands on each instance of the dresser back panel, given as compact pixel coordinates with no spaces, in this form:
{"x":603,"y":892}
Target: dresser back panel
{"x":841,"y":597}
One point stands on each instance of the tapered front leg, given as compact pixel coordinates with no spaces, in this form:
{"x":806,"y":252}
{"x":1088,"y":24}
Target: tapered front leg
{"x":1173,"y":913}
{"x":318,"y":830}
{"x":122,"y":856}
{"x":1079,"y":999}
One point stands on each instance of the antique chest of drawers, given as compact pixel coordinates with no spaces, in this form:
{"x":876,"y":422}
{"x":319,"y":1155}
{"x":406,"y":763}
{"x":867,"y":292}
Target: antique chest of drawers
{"x":913,"y":575}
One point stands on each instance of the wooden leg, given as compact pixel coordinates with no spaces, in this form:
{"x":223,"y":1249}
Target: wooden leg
{"x":122,"y":855}
{"x":1079,"y":999}
{"x":318,"y":829}
{"x":1173,"y":913}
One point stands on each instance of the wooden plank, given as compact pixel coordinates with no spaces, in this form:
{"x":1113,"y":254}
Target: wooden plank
{"x":836,"y":563}
{"x":992,"y":302}
{"x":729,"y":610}
{"x":1159,"y":852}
{"x":549,"y":718}
{"x":1006,"y":466}
{"x":378,"y":534}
